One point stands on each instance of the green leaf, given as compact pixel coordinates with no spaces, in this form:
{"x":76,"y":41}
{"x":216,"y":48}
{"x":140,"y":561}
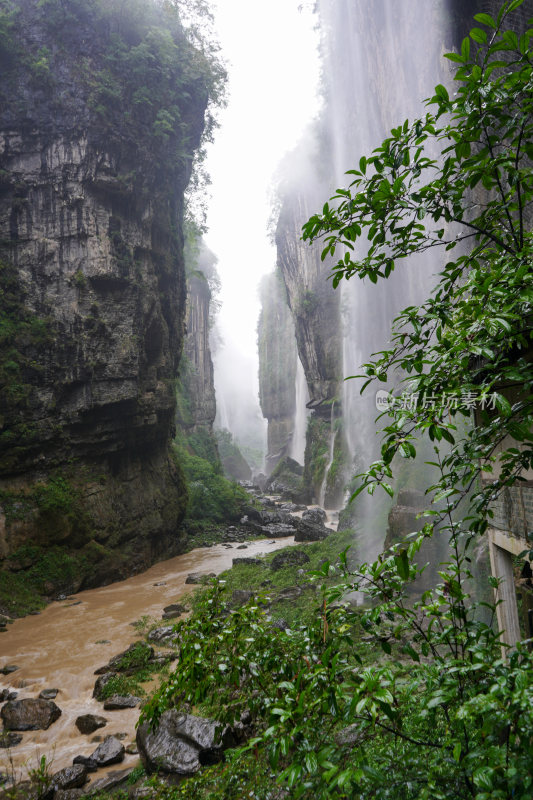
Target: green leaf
{"x":486,"y":19}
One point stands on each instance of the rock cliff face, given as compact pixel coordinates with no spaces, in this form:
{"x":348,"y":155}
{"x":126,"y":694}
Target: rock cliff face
{"x":314,"y":304}
{"x":198,"y":413}
{"x":99,"y":118}
{"x":277,"y":368}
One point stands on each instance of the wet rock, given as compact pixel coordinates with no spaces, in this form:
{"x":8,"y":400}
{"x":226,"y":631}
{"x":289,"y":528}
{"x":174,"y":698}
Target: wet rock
{"x":242,"y":547}
{"x":160,"y":583}
{"x":9,"y":739}
{"x":101,"y":683}
{"x":69,"y":794}
{"x":177,"y":608}
{"x":88,"y":723}
{"x":315,"y":515}
{"x":278,"y":529}
{"x":139,"y":653}
{"x":290,"y":593}
{"x":88,"y":763}
{"x":246,"y":560}
{"x":48,"y":694}
{"x":182,"y":743}
{"x":252,"y":515}
{"x":132,"y":749}
{"x":71,"y":777}
{"x":240,"y":596}
{"x":113,"y":780}
{"x":111,"y":751}
{"x":117,"y":702}
{"x":198,"y":577}
{"x":164,"y":633}
{"x":8,"y":669}
{"x":7,"y":694}
{"x":289,"y":558}
{"x":309,"y":531}
{"x":29,"y":714}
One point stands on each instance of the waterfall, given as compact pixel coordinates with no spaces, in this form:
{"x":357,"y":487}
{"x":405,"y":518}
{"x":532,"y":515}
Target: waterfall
{"x":332,"y":437}
{"x":378,"y":75}
{"x":301,"y":413}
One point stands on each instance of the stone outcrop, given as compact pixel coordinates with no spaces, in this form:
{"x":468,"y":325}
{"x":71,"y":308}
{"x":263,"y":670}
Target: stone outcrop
{"x":196,"y":407}
{"x":277,"y":368}
{"x":92,"y":278}
{"x":30,"y":714}
{"x":182,"y":743}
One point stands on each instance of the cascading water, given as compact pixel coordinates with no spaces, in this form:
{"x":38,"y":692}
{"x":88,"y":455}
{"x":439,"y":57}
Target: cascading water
{"x":332,"y":437}
{"x":301,"y":415}
{"x":378,"y":75}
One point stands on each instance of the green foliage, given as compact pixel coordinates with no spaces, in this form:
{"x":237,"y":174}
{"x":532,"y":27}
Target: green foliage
{"x":211,"y":496}
{"x":145,"y":71}
{"x":126,"y":684}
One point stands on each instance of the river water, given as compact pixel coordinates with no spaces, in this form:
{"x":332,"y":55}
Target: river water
{"x":63,"y":645}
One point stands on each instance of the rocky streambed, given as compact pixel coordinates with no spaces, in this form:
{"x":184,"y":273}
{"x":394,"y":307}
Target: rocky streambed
{"x":54,"y":665}
{"x":61,"y":648}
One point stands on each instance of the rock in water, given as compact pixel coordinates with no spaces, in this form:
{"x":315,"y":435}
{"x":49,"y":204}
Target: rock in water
{"x":316,"y":515}
{"x":181,"y":743}
{"x":117,"y":702}
{"x":70,"y":778}
{"x":48,"y":694}
{"x":8,"y":739}
{"x":29,"y":714}
{"x":111,"y":751}
{"x":88,"y":723}
{"x":98,"y":691}
{"x":309,"y":531}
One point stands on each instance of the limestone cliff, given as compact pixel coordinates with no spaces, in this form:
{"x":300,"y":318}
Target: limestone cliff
{"x":196,"y":408}
{"x":277,"y":368}
{"x":101,"y":108}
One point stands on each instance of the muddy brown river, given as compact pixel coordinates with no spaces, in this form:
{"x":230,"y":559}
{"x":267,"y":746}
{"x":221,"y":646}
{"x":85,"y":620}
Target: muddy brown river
{"x":63,"y":645}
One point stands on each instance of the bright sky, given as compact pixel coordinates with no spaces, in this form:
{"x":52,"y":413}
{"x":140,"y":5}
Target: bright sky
{"x":271,"y":50}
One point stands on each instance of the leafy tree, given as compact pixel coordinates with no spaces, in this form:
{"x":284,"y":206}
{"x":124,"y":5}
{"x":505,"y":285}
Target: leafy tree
{"x":440,"y":713}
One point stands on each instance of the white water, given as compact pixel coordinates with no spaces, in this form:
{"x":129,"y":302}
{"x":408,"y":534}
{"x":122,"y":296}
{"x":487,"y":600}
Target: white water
{"x":379,"y":72}
{"x":301,"y":414}
{"x":332,"y":436}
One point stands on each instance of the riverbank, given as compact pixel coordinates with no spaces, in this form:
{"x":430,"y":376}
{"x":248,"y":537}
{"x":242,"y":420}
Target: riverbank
{"x":63,"y":646}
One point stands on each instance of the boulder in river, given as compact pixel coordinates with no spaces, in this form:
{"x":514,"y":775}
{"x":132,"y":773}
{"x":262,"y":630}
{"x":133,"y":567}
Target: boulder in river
{"x":9,"y":739}
{"x":101,"y":683}
{"x":309,"y":531}
{"x":70,"y":778}
{"x":31,"y":714}
{"x":247,"y":560}
{"x":48,"y":694}
{"x":117,"y":702}
{"x":8,"y":669}
{"x":182,"y":743}
{"x":289,"y":558}
{"x":88,"y":723}
{"x":315,"y":515}
{"x":7,"y":694}
{"x":111,"y":751}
